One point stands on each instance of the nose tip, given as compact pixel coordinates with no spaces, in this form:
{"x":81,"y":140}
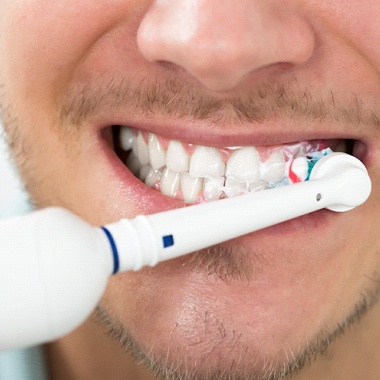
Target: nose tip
{"x":219,"y":44}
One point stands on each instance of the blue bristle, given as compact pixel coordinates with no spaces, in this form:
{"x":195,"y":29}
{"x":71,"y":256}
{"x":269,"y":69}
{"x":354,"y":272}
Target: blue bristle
{"x":314,"y":157}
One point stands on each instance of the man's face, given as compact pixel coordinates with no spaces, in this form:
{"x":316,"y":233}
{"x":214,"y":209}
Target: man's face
{"x":209,"y":73}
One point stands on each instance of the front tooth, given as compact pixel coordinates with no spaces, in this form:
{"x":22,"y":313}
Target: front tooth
{"x":157,"y":154}
{"x":257,"y":187}
{"x":233,"y":187}
{"x":206,"y":162}
{"x":176,"y":157}
{"x":140,"y":148}
{"x":244,"y":165}
{"x":273,"y":169}
{"x":169,"y":182}
{"x":213,"y":188}
{"x":127,"y":138}
{"x":153,"y":178}
{"x":190,"y":187}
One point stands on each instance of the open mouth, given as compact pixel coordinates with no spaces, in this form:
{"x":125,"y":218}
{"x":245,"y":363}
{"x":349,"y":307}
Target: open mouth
{"x":195,"y":173}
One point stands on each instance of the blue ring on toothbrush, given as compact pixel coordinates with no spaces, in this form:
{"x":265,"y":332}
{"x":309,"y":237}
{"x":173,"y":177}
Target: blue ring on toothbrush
{"x":115,"y":253}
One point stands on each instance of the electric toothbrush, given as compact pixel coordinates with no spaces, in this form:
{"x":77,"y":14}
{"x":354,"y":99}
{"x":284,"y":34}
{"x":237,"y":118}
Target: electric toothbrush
{"x":54,"y":267}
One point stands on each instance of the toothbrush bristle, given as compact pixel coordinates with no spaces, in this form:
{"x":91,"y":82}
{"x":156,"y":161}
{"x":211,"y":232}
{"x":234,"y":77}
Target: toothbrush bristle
{"x":301,"y":167}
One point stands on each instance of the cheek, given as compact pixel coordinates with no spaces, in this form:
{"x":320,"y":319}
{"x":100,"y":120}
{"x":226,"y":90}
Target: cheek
{"x":355,"y":21}
{"x":42,"y":45}
{"x":44,"y":42}
{"x":39,"y":45}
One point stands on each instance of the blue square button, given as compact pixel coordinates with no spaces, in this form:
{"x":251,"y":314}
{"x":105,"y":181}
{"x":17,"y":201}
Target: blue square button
{"x":168,"y":241}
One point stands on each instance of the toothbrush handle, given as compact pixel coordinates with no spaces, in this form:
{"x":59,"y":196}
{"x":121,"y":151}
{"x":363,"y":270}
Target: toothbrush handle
{"x":147,"y":240}
{"x":54,"y":268}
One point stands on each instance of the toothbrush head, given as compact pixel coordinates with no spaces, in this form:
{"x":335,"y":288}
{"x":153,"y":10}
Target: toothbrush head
{"x":349,"y":179}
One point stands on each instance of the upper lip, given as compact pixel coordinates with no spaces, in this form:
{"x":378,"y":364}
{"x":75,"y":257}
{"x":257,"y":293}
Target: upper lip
{"x":202,"y":133}
{"x":224,"y":129}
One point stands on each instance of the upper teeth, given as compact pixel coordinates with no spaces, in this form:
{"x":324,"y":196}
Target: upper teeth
{"x":206,"y":162}
{"x":244,"y":165}
{"x":176,"y":157}
{"x":157,"y":154}
{"x":206,"y":174}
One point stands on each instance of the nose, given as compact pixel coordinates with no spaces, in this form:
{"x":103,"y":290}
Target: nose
{"x":220,"y":42}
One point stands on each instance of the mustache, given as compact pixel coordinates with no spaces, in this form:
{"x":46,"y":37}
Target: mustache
{"x":183,"y":101}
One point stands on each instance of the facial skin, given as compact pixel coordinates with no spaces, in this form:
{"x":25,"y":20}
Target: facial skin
{"x":214,"y":73}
